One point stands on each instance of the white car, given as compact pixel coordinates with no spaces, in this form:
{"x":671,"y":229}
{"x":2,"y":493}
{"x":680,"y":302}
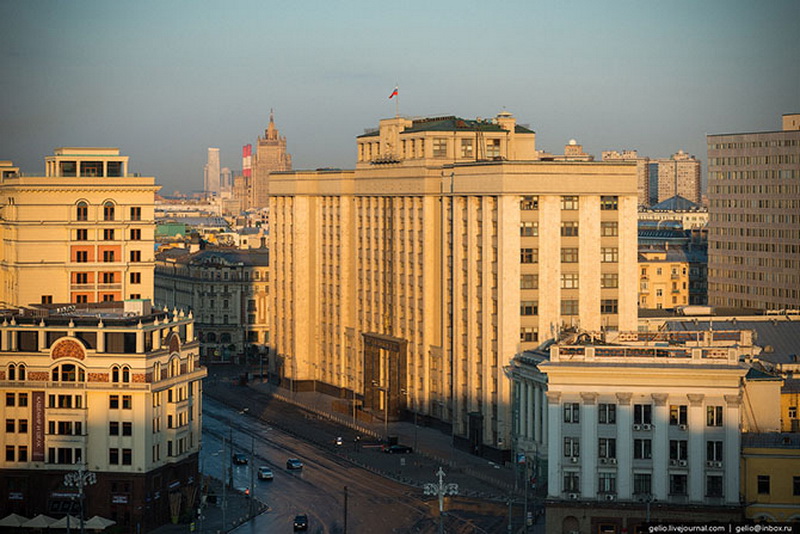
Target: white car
{"x":264,"y":473}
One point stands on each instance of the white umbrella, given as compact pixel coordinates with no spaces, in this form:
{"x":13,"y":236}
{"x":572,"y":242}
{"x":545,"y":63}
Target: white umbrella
{"x":74,"y":522}
{"x":40,"y":521}
{"x":98,"y":523}
{"x":13,"y":520}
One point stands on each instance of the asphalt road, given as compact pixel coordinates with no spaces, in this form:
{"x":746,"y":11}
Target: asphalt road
{"x":375,"y":504}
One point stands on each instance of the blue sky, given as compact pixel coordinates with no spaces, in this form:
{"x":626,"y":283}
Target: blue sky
{"x":164,"y":80}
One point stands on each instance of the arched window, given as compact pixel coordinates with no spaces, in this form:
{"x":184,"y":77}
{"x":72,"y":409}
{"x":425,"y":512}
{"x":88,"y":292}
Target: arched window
{"x":115,"y":374}
{"x":12,"y":372}
{"x":156,"y":372}
{"x":82,"y":213}
{"x":21,"y":371}
{"x":174,"y":366}
{"x":108,"y":211}
{"x":68,"y":372}
{"x":126,"y":374}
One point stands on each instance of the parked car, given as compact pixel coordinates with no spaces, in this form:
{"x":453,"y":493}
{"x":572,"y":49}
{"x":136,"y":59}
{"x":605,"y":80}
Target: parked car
{"x":397,"y":449}
{"x":300,"y":522}
{"x":294,"y":463}
{"x":239,"y":458}
{"x":338,"y":441}
{"x":264,"y":473}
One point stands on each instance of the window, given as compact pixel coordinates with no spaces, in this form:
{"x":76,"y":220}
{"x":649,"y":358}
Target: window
{"x":713,"y":415}
{"x":136,"y":234}
{"x":609,"y":229}
{"x":23,"y":398}
{"x":22,"y":453}
{"x":529,"y":228}
{"x":607,"y":483}
{"x":108,"y":211}
{"x":569,"y":307}
{"x":81,"y":234}
{"x":609,"y":306}
{"x":492,"y":148}
{"x":608,"y":203}
{"x":609,"y":254}
{"x":569,"y":280}
{"x":113,"y":428}
{"x":113,"y":456}
{"x":81,"y":278}
{"x":763,"y":484}
{"x":10,"y":399}
{"x":572,"y":448}
{"x":609,"y":280}
{"x":607,"y":414}
{"x":136,"y":255}
{"x":10,"y":426}
{"x":569,"y":255}
{"x":714,"y":486}
{"x":10,"y":453}
{"x":528,"y":334}
{"x":607,"y":448}
{"x":529,"y":255}
{"x":529,"y":281}
{"x":68,"y":372}
{"x":439,"y":147}
{"x":467,"y":148}
{"x":642,"y":483}
{"x":678,"y":414}
{"x":113,"y":402}
{"x":713,"y":451}
{"x":572,"y":412}
{"x":136,"y":213}
{"x":529,"y":307}
{"x":108,"y":234}
{"x":529,"y":203}
{"x":569,"y":202}
{"x":795,"y":486}
{"x":108,"y":256}
{"x":127,"y":456}
{"x":127,"y":429}
{"x":642,"y":449}
{"x":572,"y":481}
{"x":126,"y":402}
{"x":792,"y":412}
{"x":136,"y":278}
{"x":82,"y":211}
{"x":107,"y":278}
{"x":677,"y":484}
{"x":569,"y":229}
{"x":642,"y":414}
{"x":81,"y":256}
{"x":678,"y":449}
{"x":22,"y":426}
{"x":12,"y":372}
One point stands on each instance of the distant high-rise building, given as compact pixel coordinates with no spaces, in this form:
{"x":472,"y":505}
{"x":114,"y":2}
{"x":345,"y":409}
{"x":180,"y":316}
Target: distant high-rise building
{"x":225,"y":180}
{"x":643,"y":168}
{"x":414,"y":279}
{"x":679,"y":175}
{"x":270,"y":156}
{"x":211,"y":184}
{"x":83,"y":232}
{"x":754,"y":218}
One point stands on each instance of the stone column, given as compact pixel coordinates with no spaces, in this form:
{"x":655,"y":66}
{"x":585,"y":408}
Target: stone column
{"x":696,"y":448}
{"x":730,"y":448}
{"x":530,"y":389}
{"x":101,"y":338}
{"x":624,"y":446}
{"x":660,"y":446}
{"x":589,"y":444}
{"x":554,"y":452}
{"x":537,"y":415}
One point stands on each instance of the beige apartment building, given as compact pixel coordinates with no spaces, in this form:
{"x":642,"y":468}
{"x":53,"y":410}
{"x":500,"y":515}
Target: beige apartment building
{"x":114,"y":388}
{"x":679,"y":176}
{"x":413,"y":280}
{"x":81,"y":233}
{"x":754,"y":218}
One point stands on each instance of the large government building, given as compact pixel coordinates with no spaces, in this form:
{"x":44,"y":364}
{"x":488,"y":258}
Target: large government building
{"x":754,"y":218}
{"x":81,"y":233}
{"x":414,"y":279}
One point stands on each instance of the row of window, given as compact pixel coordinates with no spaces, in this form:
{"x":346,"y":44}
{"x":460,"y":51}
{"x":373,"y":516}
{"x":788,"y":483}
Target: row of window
{"x":568,"y":307}
{"x":109,"y":234}
{"x":15,"y":371}
{"x":643,"y":485}
{"x":530,"y":255}
{"x":109,"y":212}
{"x":106,"y":278}
{"x":643,"y":449}
{"x":642,"y":414}
{"x":569,"y":202}
{"x":569,"y":281}
{"x":109,"y":256}
{"x":568,"y":229}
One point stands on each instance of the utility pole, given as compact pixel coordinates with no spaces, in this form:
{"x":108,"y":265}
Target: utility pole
{"x":224,"y":485}
{"x":345,"y":510}
{"x":252,"y":467}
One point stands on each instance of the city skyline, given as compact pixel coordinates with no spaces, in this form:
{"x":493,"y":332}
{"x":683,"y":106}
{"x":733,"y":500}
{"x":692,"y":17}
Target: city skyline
{"x":166,"y":81}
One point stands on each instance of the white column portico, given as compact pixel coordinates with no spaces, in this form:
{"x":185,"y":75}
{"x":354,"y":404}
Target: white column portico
{"x":696,"y":443}
{"x":624,"y":445}
{"x":660,"y":447}
{"x":554,"y":459}
{"x":589,"y":444}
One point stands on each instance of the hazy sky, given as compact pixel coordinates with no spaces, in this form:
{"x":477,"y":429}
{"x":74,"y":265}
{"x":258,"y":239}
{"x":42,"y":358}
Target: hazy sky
{"x":163,"y":80}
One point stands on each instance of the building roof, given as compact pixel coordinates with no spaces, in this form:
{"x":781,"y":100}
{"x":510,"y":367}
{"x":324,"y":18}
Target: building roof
{"x":253,"y":257}
{"x":758,"y":375}
{"x":676,"y":203}
{"x":771,"y":440}
{"x":451,"y":123}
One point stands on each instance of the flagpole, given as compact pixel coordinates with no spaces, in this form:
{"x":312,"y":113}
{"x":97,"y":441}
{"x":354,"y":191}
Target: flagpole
{"x":397,"y":102}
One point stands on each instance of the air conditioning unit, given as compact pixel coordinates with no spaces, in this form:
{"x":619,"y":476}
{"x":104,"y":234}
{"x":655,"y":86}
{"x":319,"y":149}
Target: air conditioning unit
{"x":682,"y":427}
{"x":717,"y":464}
{"x":637,"y":427}
{"x":610,"y":497}
{"x":612,"y":460}
{"x":709,"y":464}
{"x":647,"y":427}
{"x":573,"y":496}
{"x":603,"y":460}
{"x":683,"y":463}
{"x":673,"y":462}
{"x":574,"y":459}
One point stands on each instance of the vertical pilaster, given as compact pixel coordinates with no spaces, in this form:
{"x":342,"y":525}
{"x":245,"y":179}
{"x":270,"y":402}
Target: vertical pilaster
{"x":555,"y":456}
{"x":537,"y":414}
{"x":696,"y":440}
{"x":624,"y":445}
{"x":660,"y":446}
{"x":529,"y":424}
{"x":589,"y":444}
{"x":731,"y":448}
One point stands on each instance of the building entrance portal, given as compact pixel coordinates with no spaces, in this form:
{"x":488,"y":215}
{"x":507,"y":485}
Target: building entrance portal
{"x":384,"y":375}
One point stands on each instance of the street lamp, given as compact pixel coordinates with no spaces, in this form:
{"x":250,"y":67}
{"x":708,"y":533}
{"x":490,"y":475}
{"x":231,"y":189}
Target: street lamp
{"x":441,"y":489}
{"x":79,"y":478}
{"x":385,"y":391}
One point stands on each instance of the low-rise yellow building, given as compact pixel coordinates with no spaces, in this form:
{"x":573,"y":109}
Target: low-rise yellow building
{"x":663,"y":279}
{"x":771,"y":476}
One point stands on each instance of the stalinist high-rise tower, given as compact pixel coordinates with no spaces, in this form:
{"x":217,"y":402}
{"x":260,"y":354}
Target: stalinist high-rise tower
{"x":270,"y":156}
